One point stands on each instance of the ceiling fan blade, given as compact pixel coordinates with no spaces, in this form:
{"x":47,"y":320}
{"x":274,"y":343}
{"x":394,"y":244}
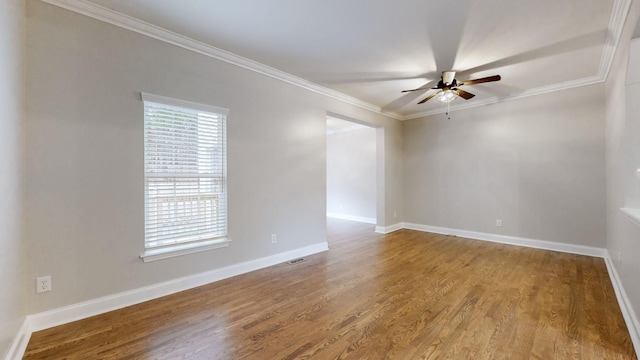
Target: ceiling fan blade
{"x":481,"y":80}
{"x":418,"y":89}
{"x":429,"y":97}
{"x":463,"y":94}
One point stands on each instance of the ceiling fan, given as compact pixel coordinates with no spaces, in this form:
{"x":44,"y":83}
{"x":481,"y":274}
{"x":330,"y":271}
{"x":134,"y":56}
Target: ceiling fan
{"x":448,"y":87}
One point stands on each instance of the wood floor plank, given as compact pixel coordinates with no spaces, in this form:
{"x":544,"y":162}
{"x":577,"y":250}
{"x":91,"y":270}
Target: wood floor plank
{"x":405,"y":295}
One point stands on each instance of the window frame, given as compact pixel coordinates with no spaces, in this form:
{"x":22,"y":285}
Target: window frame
{"x":187,"y":247}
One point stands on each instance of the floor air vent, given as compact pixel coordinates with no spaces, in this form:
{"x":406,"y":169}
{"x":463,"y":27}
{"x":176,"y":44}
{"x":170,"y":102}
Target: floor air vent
{"x":296,"y":261}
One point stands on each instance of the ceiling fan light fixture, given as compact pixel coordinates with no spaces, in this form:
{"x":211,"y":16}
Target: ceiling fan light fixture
{"x":448,"y":88}
{"x":446,"y":96}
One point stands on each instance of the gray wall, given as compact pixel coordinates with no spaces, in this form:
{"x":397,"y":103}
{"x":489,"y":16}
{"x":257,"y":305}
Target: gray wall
{"x":84,"y":179}
{"x":12,"y":295}
{"x":631,"y":142}
{"x":623,"y":236}
{"x":632,"y":125}
{"x":351,"y":173}
{"x":537,"y":163}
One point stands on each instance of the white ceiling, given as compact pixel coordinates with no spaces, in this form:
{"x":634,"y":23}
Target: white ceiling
{"x":373,"y":49}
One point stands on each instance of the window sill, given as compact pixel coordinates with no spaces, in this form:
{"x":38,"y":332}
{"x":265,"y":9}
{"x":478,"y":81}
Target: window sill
{"x":184,"y":249}
{"x":633,"y":214}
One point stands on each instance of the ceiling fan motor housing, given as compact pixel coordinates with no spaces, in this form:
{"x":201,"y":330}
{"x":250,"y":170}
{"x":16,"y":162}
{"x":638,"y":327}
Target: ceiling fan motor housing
{"x":448,"y":87}
{"x":448,"y":77}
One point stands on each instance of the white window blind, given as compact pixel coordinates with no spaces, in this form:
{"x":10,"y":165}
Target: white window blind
{"x":185,"y":172}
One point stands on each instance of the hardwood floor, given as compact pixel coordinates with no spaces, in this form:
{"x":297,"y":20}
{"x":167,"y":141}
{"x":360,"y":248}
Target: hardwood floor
{"x":406,"y":295}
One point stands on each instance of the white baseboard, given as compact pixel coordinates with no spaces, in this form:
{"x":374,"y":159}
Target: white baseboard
{"x":67,"y":314}
{"x":630,"y":317}
{"x":44,"y":320}
{"x":512,"y":240}
{"x":20,"y":342}
{"x":361,"y":219}
{"x":389,"y":229}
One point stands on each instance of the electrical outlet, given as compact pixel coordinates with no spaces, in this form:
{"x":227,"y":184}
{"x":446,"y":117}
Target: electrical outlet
{"x":43,"y":284}
{"x":395,"y":215}
{"x":499,"y":222}
{"x":273,"y":238}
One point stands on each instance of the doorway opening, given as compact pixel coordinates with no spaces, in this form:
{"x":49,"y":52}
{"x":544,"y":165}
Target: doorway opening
{"x":353,"y":170}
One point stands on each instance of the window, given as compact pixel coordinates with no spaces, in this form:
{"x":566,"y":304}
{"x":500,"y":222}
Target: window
{"x":184,"y":176}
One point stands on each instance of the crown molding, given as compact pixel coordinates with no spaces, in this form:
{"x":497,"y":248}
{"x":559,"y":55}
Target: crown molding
{"x":616,"y":23}
{"x":130,"y":23}
{"x":530,"y":92}
{"x":614,"y":33}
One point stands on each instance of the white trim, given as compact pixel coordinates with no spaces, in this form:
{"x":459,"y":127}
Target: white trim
{"x":183,"y":249}
{"x":389,"y":229}
{"x":614,"y":32}
{"x":616,"y":23}
{"x":361,"y":219}
{"x":492,"y":100}
{"x":20,"y":342}
{"x":86,"y":309}
{"x":630,"y":317}
{"x":55,"y":317}
{"x":163,"y":100}
{"x":632,"y":213}
{"x":136,"y":25}
{"x":337,"y":116}
{"x":353,"y":127}
{"x":512,"y":240}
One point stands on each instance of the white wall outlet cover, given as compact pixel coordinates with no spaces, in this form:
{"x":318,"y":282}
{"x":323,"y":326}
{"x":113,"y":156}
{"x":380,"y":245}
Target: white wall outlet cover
{"x":43,"y":284}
